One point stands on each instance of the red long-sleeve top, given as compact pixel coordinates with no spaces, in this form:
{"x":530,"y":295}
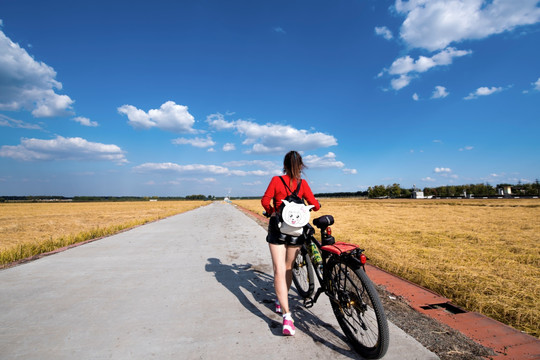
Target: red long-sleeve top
{"x":276,"y":192}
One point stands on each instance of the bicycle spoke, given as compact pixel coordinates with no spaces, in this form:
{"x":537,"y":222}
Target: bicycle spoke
{"x":354,"y":307}
{"x":303,"y":275}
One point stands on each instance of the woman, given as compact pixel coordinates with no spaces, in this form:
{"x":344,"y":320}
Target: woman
{"x":284,"y":248}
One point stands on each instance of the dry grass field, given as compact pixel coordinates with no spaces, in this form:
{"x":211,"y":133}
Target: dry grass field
{"x":28,"y":229}
{"x":482,"y":254}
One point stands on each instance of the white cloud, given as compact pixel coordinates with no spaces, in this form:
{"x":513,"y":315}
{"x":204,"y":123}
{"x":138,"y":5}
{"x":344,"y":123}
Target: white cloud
{"x":279,"y":30}
{"x":197,"y":142}
{"x":430,"y":179}
{"x":51,"y":104}
{"x":332,"y":186}
{"x":327,"y":161}
{"x":255,"y":183}
{"x":384,"y":32}
{"x":169,"y":116}
{"x":14,"y":123}
{"x":85,"y":121}
{"x":400,"y":82}
{"x":435,"y":24}
{"x":28,"y":84}
{"x":415,"y":97}
{"x":483,"y":91}
{"x":536,"y":85}
{"x":218,"y":122}
{"x":272,"y":138}
{"x":269,"y":165}
{"x":350,"y":171}
{"x":198,"y":169}
{"x":206,"y":180}
{"x":406,"y":65}
{"x":62,"y":148}
{"x":439,"y":92}
{"x":442,"y":170}
{"x":251,"y":172}
{"x":466,"y":148}
{"x":229,"y":147}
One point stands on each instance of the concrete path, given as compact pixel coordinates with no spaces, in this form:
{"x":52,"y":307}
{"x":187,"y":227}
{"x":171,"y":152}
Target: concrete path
{"x":194,"y":286}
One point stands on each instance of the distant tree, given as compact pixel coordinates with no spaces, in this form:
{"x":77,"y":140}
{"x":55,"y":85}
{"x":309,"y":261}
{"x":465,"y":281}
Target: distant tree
{"x":195,"y":197}
{"x":394,"y":190}
{"x":406,"y":193}
{"x":377,"y":191}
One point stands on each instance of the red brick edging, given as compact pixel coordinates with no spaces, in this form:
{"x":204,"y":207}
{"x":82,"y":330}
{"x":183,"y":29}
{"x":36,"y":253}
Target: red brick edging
{"x":503,"y":339}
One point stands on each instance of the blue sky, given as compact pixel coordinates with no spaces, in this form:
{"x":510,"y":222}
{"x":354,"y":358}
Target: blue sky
{"x":172,"y":98}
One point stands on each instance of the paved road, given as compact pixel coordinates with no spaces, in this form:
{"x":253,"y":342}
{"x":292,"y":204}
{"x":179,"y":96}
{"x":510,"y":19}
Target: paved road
{"x":193,"y":286}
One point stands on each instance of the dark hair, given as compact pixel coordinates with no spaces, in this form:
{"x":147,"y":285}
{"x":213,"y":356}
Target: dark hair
{"x":293,"y":165}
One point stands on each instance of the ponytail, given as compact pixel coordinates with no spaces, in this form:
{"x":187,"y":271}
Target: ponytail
{"x":293,"y":165}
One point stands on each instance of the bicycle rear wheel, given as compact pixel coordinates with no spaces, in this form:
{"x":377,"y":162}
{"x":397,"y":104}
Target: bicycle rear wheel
{"x":358,"y":309}
{"x":302,"y":274}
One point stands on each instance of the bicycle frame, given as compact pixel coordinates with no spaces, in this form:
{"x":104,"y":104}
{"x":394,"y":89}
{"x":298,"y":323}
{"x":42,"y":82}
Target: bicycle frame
{"x":351,"y":257}
{"x":309,"y":302}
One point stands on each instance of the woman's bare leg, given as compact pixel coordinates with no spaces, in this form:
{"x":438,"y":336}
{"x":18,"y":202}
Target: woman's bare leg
{"x":292,"y":252}
{"x":282,"y":261}
{"x":279,"y":253}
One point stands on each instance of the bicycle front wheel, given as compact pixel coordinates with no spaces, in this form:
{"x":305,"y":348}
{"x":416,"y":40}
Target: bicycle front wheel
{"x":358,"y":309}
{"x":302,"y":274}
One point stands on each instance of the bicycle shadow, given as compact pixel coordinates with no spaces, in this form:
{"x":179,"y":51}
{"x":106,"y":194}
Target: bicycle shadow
{"x":320,"y":331}
{"x":239,"y":278}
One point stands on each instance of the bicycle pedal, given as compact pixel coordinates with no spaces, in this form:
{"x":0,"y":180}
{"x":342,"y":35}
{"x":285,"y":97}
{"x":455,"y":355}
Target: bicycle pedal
{"x":308,"y":303}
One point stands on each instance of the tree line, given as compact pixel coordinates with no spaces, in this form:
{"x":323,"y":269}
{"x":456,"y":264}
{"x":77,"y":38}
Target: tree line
{"x":529,"y":189}
{"x":395,"y":191}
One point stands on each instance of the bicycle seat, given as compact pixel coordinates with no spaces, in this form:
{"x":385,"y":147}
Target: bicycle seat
{"x":324,"y":221}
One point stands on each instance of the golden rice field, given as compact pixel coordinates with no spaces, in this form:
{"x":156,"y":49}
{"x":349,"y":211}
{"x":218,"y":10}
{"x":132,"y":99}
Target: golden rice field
{"x":28,"y":229}
{"x":482,"y":254}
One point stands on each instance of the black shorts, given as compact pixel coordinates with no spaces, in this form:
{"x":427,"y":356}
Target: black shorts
{"x":276,"y":237}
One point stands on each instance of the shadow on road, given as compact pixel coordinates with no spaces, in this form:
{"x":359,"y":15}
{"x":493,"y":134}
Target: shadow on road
{"x":239,"y":278}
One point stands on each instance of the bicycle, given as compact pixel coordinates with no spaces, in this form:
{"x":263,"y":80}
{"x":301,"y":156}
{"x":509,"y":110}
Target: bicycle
{"x":341,"y":273}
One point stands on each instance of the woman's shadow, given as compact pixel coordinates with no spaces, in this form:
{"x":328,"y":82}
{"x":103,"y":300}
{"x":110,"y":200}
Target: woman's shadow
{"x":239,"y":278}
